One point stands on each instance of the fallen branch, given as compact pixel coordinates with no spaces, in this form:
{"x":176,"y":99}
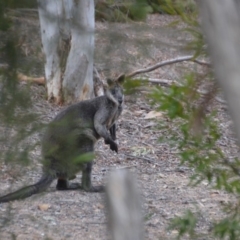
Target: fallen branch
{"x":25,"y":78}
{"x":167,"y":62}
{"x":149,"y":160}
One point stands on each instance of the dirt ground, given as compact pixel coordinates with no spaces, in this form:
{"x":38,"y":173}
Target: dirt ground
{"x":163,"y":182}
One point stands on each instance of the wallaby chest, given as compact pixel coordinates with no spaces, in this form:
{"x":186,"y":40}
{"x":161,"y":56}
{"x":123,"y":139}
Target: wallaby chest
{"x":113,"y":116}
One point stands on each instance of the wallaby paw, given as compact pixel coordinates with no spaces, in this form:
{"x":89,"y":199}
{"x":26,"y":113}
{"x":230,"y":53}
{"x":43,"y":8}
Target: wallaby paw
{"x":71,"y":186}
{"x":106,"y":142}
{"x":114,"y":147}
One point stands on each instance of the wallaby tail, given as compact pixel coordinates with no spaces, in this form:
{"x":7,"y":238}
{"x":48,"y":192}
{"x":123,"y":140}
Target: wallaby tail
{"x":28,"y":191}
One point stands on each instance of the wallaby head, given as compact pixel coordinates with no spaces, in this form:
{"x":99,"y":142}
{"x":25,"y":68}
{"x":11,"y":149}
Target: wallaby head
{"x":115,"y":90}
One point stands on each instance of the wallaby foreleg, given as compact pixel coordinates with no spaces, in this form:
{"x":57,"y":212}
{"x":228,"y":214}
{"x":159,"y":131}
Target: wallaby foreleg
{"x":103,"y":132}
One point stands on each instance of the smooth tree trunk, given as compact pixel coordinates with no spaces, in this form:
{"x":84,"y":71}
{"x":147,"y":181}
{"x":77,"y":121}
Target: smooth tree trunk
{"x":78,"y":78}
{"x":67,"y":32}
{"x":221,"y":25}
{"x":50,"y":34}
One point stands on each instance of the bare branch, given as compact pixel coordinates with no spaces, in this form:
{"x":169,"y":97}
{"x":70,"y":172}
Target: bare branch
{"x":202,"y":63}
{"x":167,"y":62}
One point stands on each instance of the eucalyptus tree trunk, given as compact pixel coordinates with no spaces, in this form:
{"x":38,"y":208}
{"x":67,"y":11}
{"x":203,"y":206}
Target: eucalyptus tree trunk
{"x":221,"y":25}
{"x":67,"y":32}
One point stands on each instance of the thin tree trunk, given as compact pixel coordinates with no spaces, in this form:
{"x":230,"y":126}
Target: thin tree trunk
{"x":78,"y":78}
{"x":221,"y":25}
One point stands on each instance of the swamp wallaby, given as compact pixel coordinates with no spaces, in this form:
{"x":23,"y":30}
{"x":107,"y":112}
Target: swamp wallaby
{"x":72,"y":134}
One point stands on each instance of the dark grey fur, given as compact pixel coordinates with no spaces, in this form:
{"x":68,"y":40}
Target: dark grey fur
{"x":73,"y":133}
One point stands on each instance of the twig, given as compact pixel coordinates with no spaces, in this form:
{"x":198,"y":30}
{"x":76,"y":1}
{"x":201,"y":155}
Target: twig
{"x":143,"y":158}
{"x":162,"y":81}
{"x":202,"y":63}
{"x":164,"y":63}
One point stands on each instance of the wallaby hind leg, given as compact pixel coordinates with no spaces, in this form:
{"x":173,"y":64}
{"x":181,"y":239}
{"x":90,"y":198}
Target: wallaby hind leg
{"x":63,"y":184}
{"x":86,"y":179}
{"x":113,"y":131}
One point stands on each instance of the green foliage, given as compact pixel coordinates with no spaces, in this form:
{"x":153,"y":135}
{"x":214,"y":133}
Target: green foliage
{"x":84,"y":158}
{"x":173,"y":7}
{"x":228,"y":227}
{"x":15,"y":118}
{"x":131,"y":86}
{"x":197,"y":134}
{"x":185,"y":224}
{"x":122,"y":11}
{"x":137,"y":10}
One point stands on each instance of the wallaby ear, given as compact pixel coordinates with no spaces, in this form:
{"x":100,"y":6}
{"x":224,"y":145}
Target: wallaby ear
{"x":110,"y":82}
{"x":121,"y":79}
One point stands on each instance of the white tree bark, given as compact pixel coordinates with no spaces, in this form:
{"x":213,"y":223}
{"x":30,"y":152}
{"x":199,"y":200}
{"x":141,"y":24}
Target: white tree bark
{"x":221,"y":25}
{"x":68,"y":73}
{"x":78,"y":79}
{"x":48,"y":15}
